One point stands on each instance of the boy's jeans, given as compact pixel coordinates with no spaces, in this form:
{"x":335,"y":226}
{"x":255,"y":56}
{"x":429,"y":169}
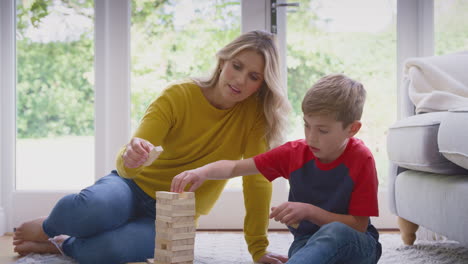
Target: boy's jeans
{"x":335,"y":243}
{"x":111,"y":221}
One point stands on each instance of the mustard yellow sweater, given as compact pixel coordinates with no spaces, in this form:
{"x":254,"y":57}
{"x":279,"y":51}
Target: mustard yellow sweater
{"x":193,"y":133}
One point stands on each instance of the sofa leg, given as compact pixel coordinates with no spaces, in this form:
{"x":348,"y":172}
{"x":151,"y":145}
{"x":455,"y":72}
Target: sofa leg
{"x":408,"y":231}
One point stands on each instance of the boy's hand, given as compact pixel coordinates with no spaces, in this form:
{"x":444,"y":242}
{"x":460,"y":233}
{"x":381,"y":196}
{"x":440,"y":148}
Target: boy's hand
{"x":290,"y":213}
{"x":193,"y":177}
{"x":136,"y":152}
{"x":273,"y":258}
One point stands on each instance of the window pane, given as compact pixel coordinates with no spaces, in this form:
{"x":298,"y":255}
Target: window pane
{"x":55,"y":95}
{"x":451,"y":26}
{"x":176,"y":40}
{"x":357,"y":38}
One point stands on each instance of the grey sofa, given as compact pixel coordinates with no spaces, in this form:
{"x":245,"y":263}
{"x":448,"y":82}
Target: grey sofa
{"x":428,"y":152}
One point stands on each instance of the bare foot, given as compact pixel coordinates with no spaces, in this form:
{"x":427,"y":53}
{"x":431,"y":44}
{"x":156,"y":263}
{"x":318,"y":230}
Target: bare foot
{"x":42,"y":247}
{"x":31,"y":231}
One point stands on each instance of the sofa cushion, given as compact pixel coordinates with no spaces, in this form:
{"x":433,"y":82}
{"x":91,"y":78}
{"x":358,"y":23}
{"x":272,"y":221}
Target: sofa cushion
{"x":412,"y":144}
{"x":453,"y":137}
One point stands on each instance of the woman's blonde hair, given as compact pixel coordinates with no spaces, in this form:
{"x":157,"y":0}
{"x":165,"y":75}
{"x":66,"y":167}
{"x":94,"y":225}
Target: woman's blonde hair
{"x":272,"y":93}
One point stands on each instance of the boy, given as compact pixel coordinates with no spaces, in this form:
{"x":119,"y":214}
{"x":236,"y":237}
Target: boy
{"x":332,"y":177}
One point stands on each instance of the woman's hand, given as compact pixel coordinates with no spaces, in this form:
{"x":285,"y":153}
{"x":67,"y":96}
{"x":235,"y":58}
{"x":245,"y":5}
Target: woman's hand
{"x":136,"y":152}
{"x":273,"y":258}
{"x":194,"y":177}
{"x":290,"y":213}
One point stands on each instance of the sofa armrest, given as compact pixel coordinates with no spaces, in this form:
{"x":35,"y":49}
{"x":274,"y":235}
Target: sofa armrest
{"x":392,"y":172}
{"x":405,"y":107}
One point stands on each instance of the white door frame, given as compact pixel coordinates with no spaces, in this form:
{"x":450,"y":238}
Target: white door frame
{"x":7,"y":112}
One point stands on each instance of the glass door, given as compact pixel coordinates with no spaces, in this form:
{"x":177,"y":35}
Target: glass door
{"x":357,"y":38}
{"x":450,"y":26}
{"x":54,"y":103}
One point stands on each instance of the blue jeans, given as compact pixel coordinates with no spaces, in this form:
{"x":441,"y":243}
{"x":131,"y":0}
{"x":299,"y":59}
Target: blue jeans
{"x":111,"y":222}
{"x":335,"y":243}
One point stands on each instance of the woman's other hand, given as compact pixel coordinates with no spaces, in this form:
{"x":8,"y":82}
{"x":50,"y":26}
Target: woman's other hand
{"x":137,"y":152}
{"x":273,"y":258}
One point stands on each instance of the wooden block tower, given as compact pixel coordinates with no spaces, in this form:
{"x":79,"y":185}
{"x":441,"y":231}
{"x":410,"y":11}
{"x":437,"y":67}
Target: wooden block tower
{"x":175,"y":228}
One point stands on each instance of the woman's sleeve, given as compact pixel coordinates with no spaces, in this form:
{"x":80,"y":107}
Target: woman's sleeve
{"x":154,"y":126}
{"x":257,"y":196}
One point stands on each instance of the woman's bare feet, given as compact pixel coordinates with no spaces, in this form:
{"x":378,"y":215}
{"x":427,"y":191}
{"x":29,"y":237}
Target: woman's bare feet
{"x":24,"y":248}
{"x":42,"y":247}
{"x":31,"y":231}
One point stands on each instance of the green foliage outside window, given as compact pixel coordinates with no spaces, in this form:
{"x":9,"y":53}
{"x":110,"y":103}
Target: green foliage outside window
{"x":55,"y":91}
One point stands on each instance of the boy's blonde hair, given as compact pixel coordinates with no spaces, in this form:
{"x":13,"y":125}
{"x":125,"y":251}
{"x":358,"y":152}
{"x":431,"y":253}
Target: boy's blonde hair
{"x":336,"y":95}
{"x":272,"y":94}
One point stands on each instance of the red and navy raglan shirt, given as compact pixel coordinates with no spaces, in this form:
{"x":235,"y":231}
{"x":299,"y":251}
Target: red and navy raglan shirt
{"x":348,"y":185}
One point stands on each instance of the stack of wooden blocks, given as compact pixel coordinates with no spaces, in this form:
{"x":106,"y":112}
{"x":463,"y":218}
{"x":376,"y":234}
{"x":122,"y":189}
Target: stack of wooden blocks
{"x":175,"y":228}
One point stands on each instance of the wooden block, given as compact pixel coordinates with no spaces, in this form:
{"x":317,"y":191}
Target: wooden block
{"x":174,"y":248}
{"x":173,"y":253}
{"x":167,"y":195}
{"x":160,"y":201}
{"x":176,"y":207}
{"x":170,"y":230}
{"x":153,"y":155}
{"x":161,"y":224}
{"x":174,"y":213}
{"x":180,"y":244}
{"x":177,"y":259}
{"x":295,"y":226}
{"x":175,"y":219}
{"x":187,"y":195}
{"x":175,"y":236}
{"x":168,"y":245}
{"x":174,"y":195}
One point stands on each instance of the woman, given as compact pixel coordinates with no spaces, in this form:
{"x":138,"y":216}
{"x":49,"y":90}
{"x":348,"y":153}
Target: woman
{"x":238,"y":112}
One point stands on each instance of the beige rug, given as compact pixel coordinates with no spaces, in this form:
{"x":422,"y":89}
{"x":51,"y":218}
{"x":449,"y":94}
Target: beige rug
{"x":230,"y":248}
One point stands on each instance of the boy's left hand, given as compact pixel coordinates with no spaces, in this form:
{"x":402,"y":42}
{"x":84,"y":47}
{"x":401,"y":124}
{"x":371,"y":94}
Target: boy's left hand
{"x":290,"y":213}
{"x":193,"y":177}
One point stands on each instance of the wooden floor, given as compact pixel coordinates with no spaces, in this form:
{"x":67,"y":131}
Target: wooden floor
{"x":6,"y":250}
{"x":8,"y":256}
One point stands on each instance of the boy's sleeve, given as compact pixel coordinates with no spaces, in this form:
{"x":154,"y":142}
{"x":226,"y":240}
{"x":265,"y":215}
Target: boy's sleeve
{"x":274,"y":163}
{"x":364,"y":200}
{"x":154,"y":126}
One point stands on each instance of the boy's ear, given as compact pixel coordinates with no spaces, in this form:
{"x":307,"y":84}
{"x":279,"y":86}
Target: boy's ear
{"x":354,"y":128}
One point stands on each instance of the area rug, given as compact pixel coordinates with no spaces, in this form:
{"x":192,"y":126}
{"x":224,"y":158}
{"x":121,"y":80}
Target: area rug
{"x":230,"y":248}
